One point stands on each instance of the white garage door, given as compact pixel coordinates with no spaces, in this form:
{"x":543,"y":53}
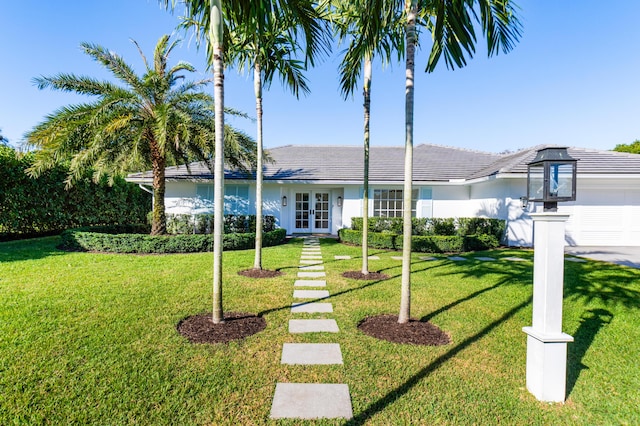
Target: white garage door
{"x":605,"y":218}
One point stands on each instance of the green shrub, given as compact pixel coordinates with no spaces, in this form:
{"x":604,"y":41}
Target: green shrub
{"x":436,"y":226}
{"x":443,"y":226}
{"x":233,"y":224}
{"x":437,"y":244}
{"x":179,"y":224}
{"x":422,"y":243}
{"x":42,"y":206}
{"x":480,"y":242}
{"x":114,"y":239}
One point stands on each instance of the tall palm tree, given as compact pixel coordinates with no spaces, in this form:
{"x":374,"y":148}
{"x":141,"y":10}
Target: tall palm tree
{"x":452,"y":26}
{"x":212,"y":21}
{"x":269,"y":51}
{"x":150,"y":120}
{"x":3,"y":140}
{"x":368,"y":37}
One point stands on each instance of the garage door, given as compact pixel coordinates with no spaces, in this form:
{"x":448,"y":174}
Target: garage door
{"x":605,"y":218}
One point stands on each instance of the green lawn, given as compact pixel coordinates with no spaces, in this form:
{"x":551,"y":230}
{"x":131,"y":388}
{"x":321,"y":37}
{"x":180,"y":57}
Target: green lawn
{"x":91,"y":339}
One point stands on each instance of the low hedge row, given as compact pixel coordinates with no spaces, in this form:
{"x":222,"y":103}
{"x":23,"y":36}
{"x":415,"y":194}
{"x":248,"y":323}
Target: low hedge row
{"x":119,"y":239}
{"x":422,"y":244}
{"x":436,"y":226}
{"x":203,"y":223}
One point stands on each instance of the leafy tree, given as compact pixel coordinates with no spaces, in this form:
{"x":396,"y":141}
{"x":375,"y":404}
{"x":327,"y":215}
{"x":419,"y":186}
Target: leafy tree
{"x":3,"y":140}
{"x":271,"y":49}
{"x":145,"y":121}
{"x":212,"y":21}
{"x":368,"y":36}
{"x":452,"y":25}
{"x":633,"y":148}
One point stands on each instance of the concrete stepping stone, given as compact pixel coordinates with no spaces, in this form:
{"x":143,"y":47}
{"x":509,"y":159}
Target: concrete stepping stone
{"x":311,"y":251}
{"x":514,"y":259}
{"x":311,"y":401}
{"x":310,"y":283}
{"x":311,"y":268}
{"x":575,"y":259}
{"x":374,"y":257}
{"x":313,"y":326}
{"x":311,"y":354}
{"x":485,"y":259}
{"x":396,"y":257}
{"x":310,"y":257}
{"x":457,"y":258}
{"x":427,"y":258}
{"x":311,"y":274}
{"x":342,"y":257}
{"x":310,"y":294}
{"x":311,"y":308}
{"x":310,"y":262}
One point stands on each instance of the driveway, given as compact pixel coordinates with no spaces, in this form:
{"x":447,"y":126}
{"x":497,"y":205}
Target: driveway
{"x":628,"y":256}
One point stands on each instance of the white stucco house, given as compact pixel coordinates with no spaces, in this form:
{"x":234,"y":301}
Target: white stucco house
{"x":318,"y":189}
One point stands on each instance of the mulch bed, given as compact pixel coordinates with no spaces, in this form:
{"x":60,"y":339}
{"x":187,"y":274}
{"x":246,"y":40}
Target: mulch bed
{"x":238,"y":325}
{"x":371,"y":276}
{"x":259,"y":273}
{"x":415,"y":332}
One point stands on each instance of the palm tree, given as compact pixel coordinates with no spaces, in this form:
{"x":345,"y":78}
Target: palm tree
{"x":369,"y":36}
{"x":452,"y":27}
{"x":270,"y":50}
{"x":212,"y":21}
{"x":3,"y":140}
{"x":147,"y":120}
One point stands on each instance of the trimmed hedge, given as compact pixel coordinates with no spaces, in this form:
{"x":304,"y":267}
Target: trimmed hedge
{"x":42,"y":206}
{"x":422,"y":243}
{"x":126,"y":239}
{"x":462,"y":226}
{"x":203,"y":224}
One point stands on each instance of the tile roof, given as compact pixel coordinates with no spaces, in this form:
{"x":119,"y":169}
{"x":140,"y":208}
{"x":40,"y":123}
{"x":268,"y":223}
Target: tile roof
{"x":431,"y":163}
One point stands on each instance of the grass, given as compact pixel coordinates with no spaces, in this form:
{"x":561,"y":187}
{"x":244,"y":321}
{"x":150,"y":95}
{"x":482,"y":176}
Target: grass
{"x":90,"y":339}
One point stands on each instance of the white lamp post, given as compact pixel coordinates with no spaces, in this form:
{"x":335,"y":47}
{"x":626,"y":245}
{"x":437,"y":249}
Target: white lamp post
{"x":551,"y":178}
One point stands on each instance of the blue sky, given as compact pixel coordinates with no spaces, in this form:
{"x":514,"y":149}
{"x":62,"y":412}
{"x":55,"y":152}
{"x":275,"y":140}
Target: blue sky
{"x":572,"y":80}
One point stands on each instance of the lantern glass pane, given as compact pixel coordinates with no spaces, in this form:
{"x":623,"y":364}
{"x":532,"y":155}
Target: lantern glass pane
{"x":536,"y":182}
{"x":561,"y":180}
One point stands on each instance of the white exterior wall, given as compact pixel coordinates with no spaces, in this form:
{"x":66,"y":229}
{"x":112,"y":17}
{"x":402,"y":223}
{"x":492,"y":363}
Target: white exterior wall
{"x":606,"y":211}
{"x":179,"y":197}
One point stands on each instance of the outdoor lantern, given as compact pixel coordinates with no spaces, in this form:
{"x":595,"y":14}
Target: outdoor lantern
{"x":284,"y":201}
{"x":339,"y":201}
{"x":551,"y":177}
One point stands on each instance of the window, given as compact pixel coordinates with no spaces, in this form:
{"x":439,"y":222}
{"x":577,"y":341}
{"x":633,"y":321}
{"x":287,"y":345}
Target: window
{"x":389,"y":203}
{"x":236,"y":198}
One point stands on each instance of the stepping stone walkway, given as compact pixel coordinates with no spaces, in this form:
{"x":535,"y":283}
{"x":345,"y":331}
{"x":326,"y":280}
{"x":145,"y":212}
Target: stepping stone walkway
{"x":311,"y":400}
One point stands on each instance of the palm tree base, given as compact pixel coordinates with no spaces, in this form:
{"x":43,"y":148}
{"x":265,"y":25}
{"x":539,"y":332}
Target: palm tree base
{"x":415,"y":332}
{"x":236,"y":326}
{"x":259,"y":273}
{"x":371,"y":276}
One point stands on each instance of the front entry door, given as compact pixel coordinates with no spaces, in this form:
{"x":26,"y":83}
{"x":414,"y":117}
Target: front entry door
{"x":312,"y":212}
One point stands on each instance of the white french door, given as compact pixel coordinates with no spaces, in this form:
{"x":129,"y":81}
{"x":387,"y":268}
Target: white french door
{"x":312,"y":212}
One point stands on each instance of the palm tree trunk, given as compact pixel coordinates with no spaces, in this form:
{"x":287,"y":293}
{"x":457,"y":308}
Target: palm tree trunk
{"x":257,"y":83}
{"x":365,"y":196}
{"x":405,"y":296}
{"x":159,"y":221}
{"x":215,"y":35}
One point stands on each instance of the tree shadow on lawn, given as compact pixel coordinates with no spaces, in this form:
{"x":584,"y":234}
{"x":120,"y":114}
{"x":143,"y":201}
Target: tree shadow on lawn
{"x":340,"y":293}
{"x":401,"y":390}
{"x":30,"y":249}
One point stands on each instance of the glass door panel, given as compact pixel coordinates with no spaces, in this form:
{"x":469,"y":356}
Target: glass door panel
{"x":321,"y":212}
{"x":302,"y":211}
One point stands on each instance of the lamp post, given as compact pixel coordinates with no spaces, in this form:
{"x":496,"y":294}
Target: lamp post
{"x":551,"y":178}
